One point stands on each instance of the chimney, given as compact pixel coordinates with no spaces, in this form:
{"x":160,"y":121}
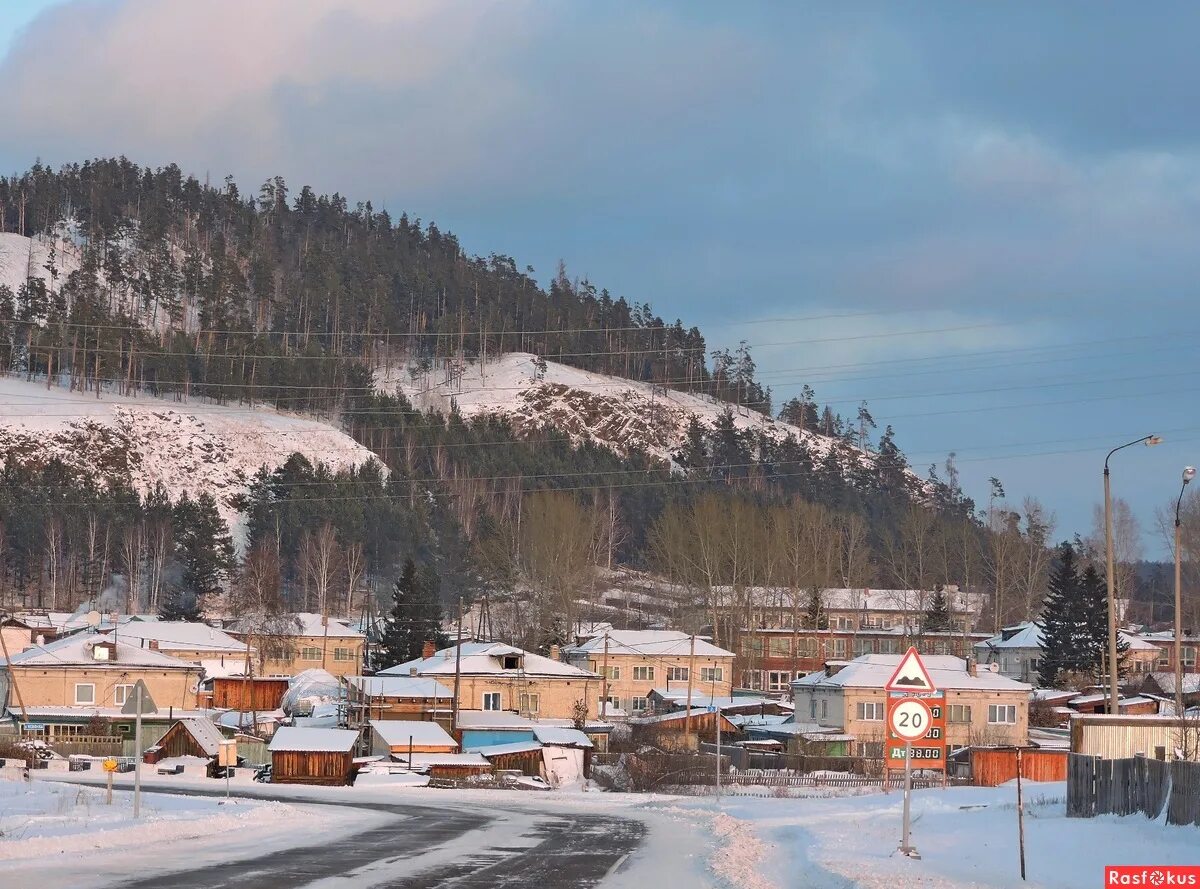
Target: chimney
{"x":154,"y":645}
{"x":554,"y":652}
{"x":412,"y":671}
{"x":972,"y":666}
{"x":429,"y":650}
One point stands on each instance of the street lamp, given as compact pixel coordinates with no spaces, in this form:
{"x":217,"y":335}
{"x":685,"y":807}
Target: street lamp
{"x":1189,"y":473}
{"x":1113,"y":679}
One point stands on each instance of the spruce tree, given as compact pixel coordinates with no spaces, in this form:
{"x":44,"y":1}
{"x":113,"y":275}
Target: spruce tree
{"x":816,"y":616}
{"x":1094,"y":604}
{"x":203,"y":546}
{"x":937,"y":615}
{"x":415,"y":618}
{"x":1064,"y":620}
{"x":179,"y":604}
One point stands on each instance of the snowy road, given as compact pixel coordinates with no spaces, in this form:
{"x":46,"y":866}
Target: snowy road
{"x":417,"y":846}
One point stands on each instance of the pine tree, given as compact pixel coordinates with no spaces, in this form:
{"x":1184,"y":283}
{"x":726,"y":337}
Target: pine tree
{"x":415,"y":618}
{"x":1094,"y":604}
{"x":937,"y":615}
{"x":203,"y":546}
{"x":180,"y":604}
{"x":816,"y":616}
{"x":1064,"y":621}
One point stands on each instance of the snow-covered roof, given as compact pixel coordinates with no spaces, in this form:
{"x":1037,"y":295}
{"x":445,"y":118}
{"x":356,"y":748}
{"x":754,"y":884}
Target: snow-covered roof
{"x":390,"y":686}
{"x":874,"y":670}
{"x":672,"y":717}
{"x":502,"y":749}
{"x":62,"y":712}
{"x":245,"y":718}
{"x":425,"y":760}
{"x":788,"y":728}
{"x":1166,"y":682}
{"x":650,"y":643}
{"x":177,"y":635}
{"x":304,"y":623}
{"x":206,"y":734}
{"x":485,"y":719}
{"x":1028,"y":634}
{"x":725,"y":702}
{"x":398,"y":732}
{"x":561,"y":737}
{"x":487,"y":658}
{"x":76,"y":651}
{"x":325,"y":740}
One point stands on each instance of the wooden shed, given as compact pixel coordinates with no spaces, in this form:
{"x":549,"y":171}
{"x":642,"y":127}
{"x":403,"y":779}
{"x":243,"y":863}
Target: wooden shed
{"x":993,"y":766}
{"x":390,"y":736}
{"x":188,"y":737}
{"x":669,"y":731}
{"x":260,"y":693}
{"x":521,"y":756}
{"x":313,"y":756}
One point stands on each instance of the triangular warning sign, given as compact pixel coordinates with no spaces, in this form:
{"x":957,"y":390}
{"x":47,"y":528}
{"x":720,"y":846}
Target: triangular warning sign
{"x":911,"y":675}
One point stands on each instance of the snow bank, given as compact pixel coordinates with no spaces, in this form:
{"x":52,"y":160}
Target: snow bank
{"x":40,"y":819}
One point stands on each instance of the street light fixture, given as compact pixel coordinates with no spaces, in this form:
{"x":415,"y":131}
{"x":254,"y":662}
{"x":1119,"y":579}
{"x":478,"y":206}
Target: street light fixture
{"x":1189,"y":473}
{"x":1113,"y":679}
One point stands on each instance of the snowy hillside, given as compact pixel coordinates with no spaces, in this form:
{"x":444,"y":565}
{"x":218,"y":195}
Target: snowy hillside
{"x":623,"y":414}
{"x":189,"y":447}
{"x":23,"y":258}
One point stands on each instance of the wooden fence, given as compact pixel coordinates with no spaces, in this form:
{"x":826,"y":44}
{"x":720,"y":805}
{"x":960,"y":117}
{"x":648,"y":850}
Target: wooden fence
{"x":1127,"y":786}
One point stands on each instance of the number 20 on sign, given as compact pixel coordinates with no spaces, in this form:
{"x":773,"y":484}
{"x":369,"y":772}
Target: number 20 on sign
{"x":910,"y":719}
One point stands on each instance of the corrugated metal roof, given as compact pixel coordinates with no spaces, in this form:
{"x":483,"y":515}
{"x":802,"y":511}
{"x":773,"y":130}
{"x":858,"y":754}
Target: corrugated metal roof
{"x":333,"y":740}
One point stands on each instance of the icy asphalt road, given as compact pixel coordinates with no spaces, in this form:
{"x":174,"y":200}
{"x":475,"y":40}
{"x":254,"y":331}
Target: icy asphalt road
{"x":421,"y":847}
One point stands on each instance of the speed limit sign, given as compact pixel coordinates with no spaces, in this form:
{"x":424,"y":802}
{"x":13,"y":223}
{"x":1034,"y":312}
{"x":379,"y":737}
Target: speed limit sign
{"x":911,"y":719}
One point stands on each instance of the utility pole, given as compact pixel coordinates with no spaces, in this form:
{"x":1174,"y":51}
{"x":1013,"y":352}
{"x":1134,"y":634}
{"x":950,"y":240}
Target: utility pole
{"x":458,"y":664}
{"x":687,"y":720}
{"x":12,"y":680}
{"x":604,"y":681}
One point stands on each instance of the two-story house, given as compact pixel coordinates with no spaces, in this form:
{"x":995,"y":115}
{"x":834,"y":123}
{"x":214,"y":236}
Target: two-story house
{"x":636,"y":662}
{"x":982,"y":707}
{"x":1017,"y":653}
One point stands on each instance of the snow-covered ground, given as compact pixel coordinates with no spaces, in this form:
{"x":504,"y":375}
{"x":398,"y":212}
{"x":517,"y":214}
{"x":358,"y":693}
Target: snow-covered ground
{"x":23,"y":258}
{"x":623,"y":414}
{"x":967,"y":837}
{"x":188,"y":447}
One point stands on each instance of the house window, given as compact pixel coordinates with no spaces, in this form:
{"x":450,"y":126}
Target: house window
{"x":638,"y":705}
{"x":1164,"y":658}
{"x":824,"y":708}
{"x":960,"y":713}
{"x":752,"y":647}
{"x":862,"y":645}
{"x":343,"y":654}
{"x":511,"y":662}
{"x":753,"y":679}
{"x":491,"y":700}
{"x":779,"y":646}
{"x":1002,"y":714}
{"x":310,"y":653}
{"x":529,"y":702}
{"x":806,"y":646}
{"x":614,"y":703}
{"x":778,"y":680}
{"x":121,"y":694}
{"x":839,"y":648}
{"x":1188,"y":654}
{"x":677,"y":674}
{"x":643,"y":674}
{"x":812,"y":708}
{"x":85,"y":693}
{"x":870,"y":710}
{"x":613,"y":673}
{"x":712,"y":674}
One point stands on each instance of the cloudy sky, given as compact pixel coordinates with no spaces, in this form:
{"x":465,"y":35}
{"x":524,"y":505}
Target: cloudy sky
{"x":1000,"y":202}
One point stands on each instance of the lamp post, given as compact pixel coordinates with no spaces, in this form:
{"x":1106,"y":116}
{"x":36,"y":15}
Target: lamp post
{"x":1113,"y":679}
{"x":1189,"y":473}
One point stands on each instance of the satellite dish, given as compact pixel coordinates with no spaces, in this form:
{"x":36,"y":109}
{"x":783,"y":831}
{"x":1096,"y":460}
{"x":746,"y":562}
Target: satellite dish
{"x":994,"y":667}
{"x":93,"y":618}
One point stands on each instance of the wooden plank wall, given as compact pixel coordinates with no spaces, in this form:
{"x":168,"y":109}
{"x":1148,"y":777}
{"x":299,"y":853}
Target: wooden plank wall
{"x":1129,"y":786}
{"x":991,"y":767}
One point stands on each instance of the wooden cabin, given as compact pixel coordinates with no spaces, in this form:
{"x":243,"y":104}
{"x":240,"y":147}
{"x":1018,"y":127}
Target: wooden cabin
{"x":313,"y":756}
{"x":390,"y":736}
{"x":188,"y":737}
{"x":259,"y":693}
{"x":669,"y":731}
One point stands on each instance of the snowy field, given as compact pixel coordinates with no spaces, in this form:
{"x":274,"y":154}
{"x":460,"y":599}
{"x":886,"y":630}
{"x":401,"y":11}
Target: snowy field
{"x":967,"y":836}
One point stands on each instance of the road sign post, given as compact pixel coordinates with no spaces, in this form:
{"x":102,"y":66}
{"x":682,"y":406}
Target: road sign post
{"x":910,"y":718}
{"x":227,"y":759}
{"x":140,"y":702}
{"x":110,"y":766}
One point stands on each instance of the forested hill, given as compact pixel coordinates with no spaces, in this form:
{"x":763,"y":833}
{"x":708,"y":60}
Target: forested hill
{"x":118,"y":278}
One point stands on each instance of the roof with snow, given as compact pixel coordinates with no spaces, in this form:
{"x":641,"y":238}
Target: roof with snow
{"x":323,"y":740}
{"x":304,"y":623}
{"x":398,"y":732}
{"x":1166,"y":682}
{"x":874,"y":671}
{"x":389,"y":686}
{"x":426,"y":760}
{"x":207,"y":736}
{"x":1029,"y":635}
{"x":561,"y":737}
{"x":76,"y":651}
{"x":495,"y":719}
{"x":503,"y":749}
{"x":63,"y":712}
{"x":488,"y":658}
{"x":725,"y":702}
{"x":177,"y":635}
{"x":649,"y":643}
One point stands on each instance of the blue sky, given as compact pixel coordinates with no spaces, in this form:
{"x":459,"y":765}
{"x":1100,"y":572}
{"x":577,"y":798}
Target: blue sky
{"x":1004,"y":196}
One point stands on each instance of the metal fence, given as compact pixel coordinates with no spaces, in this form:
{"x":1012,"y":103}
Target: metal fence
{"x":1128,"y":786}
